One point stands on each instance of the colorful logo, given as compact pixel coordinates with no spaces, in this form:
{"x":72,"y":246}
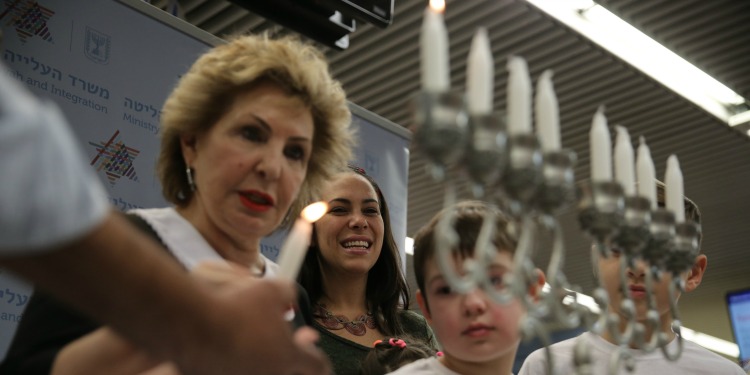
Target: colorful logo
{"x":28,"y":18}
{"x":115,"y":158}
{"x":96,"y":46}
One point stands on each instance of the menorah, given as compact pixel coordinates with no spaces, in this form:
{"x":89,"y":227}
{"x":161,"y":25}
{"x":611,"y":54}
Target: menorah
{"x":530,"y":177}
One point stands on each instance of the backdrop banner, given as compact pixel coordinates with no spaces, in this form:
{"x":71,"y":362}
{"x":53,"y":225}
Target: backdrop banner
{"x":110,"y":64}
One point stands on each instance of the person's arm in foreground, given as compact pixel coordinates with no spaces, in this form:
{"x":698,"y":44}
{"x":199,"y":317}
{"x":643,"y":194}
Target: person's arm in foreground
{"x":235,"y":330}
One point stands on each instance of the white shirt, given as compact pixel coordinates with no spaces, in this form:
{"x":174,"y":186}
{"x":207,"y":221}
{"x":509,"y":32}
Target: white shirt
{"x":184,"y":241}
{"x":694,"y":360}
{"x":48,"y":193}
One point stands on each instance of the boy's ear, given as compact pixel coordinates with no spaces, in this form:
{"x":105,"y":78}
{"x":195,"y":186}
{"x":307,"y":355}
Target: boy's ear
{"x":423,"y":306}
{"x":696,"y":273}
{"x":536,"y":289}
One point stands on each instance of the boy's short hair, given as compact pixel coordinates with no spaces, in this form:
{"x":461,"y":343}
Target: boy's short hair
{"x":467,"y":220}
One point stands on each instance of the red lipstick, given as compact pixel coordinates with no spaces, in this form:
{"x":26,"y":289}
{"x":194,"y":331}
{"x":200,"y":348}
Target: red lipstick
{"x":256,"y":201}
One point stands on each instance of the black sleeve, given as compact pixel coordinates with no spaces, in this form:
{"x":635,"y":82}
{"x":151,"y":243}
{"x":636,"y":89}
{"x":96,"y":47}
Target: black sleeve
{"x":46,"y":327}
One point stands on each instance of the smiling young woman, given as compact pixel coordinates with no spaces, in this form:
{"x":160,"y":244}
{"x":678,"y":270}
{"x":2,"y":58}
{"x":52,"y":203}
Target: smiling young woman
{"x":353,"y":275}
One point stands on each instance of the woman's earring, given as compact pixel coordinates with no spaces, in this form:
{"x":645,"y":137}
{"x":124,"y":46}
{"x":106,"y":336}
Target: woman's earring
{"x":190,"y":181}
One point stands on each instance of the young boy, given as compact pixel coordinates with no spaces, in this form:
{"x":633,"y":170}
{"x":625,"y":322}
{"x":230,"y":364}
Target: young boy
{"x":694,"y":359}
{"x":478,"y":336}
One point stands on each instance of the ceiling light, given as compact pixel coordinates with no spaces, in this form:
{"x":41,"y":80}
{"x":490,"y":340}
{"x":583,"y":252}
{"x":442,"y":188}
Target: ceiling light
{"x":636,"y":48}
{"x":740,"y":118}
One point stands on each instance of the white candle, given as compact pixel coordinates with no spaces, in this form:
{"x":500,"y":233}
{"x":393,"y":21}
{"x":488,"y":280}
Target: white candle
{"x":519,"y":96}
{"x":434,"y":49}
{"x":601,"y":148}
{"x":480,"y":75}
{"x":646,"y":173}
{"x":295,"y":246}
{"x":547,"y":113}
{"x":675,"y":189}
{"x":624,"y":161}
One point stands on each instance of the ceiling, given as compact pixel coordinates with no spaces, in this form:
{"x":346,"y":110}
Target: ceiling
{"x":380,"y":72}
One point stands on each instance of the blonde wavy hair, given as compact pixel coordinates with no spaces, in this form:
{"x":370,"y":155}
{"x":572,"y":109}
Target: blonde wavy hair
{"x":206,"y":91}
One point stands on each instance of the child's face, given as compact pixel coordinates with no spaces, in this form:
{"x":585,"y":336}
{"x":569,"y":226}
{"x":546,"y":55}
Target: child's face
{"x":635,"y":278}
{"x":471,"y":327}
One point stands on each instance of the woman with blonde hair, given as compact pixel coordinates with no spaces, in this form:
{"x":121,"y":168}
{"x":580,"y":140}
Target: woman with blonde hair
{"x":252,"y":129}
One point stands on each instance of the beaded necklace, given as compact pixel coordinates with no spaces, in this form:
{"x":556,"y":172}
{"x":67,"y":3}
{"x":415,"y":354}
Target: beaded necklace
{"x":357,"y":326}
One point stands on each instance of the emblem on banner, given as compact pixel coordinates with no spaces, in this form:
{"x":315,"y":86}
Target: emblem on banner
{"x":96,"y":46}
{"x":115,"y":159}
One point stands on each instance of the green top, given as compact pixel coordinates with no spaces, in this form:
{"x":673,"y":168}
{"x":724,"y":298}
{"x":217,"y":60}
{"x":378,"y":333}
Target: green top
{"x":346,"y":356}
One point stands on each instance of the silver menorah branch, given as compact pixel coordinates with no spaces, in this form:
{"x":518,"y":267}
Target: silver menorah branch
{"x":510,"y":172}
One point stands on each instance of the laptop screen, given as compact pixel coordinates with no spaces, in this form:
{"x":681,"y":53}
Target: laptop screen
{"x":738,"y":304}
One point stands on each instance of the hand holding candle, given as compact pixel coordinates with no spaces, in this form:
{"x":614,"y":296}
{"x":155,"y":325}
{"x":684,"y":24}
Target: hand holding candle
{"x":547,"y":113}
{"x":675,"y":189}
{"x":519,"y":97}
{"x":601,"y":148}
{"x":434,"y":49}
{"x":646,"y":174}
{"x":480,"y":75}
{"x":293,"y":251}
{"x":624,"y":161}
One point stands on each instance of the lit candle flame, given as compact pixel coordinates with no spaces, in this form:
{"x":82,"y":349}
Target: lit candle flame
{"x":314,"y":211}
{"x":438,"y":6}
{"x":293,"y":250}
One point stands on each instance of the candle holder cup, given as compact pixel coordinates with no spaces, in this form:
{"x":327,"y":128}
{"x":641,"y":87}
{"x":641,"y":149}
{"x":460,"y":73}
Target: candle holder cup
{"x":601,"y":211}
{"x":440,"y":128}
{"x":685,"y":248}
{"x":635,"y":233}
{"x":524,"y":173}
{"x":662,"y":230}
{"x":557,"y":188}
{"x":486,"y":154}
